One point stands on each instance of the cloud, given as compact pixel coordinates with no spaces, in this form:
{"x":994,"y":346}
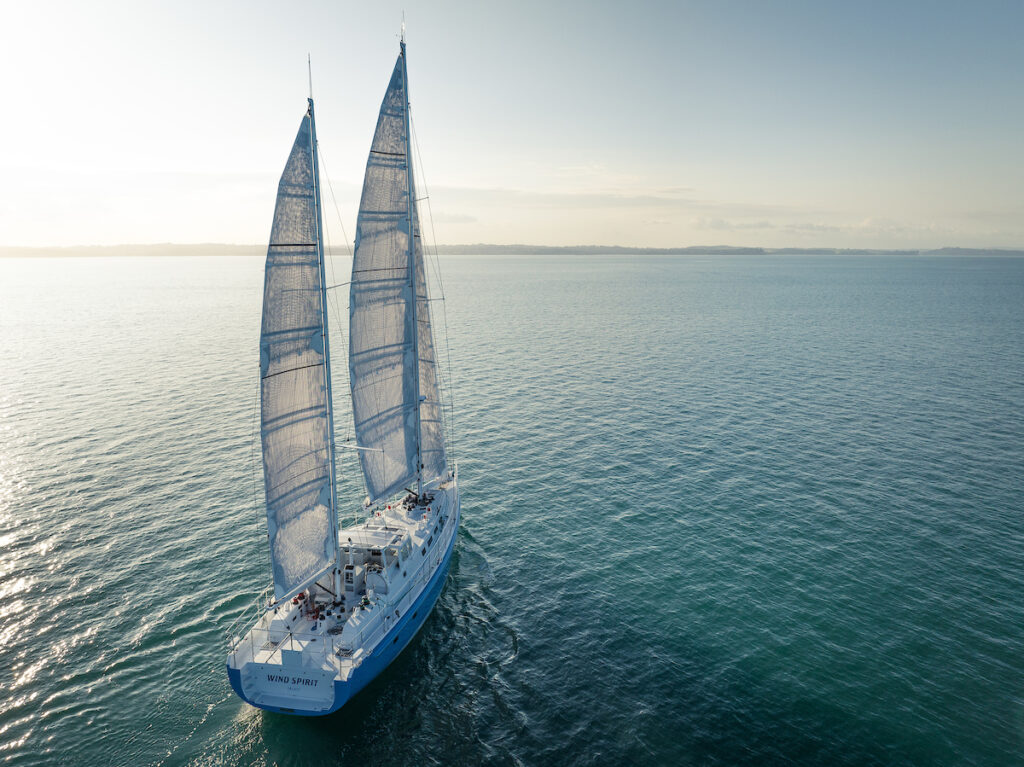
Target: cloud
{"x":811,"y":228}
{"x":724,"y":225}
{"x":670,"y":200}
{"x":454,"y":218}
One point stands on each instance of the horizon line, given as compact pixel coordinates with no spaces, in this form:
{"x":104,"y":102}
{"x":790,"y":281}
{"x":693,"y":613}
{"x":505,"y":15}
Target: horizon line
{"x":483,"y":249}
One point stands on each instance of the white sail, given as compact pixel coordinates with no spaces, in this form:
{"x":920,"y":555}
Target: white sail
{"x":385,"y":374}
{"x":294,"y":397}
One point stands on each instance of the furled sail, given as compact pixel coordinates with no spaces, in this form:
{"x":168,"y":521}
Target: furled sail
{"x":297,"y":460}
{"x":384,"y":335}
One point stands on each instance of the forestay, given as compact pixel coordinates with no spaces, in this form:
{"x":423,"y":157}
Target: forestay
{"x":293,"y":382}
{"x":384,"y":370}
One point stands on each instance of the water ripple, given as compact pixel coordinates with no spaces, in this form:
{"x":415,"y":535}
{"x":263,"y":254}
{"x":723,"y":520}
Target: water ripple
{"x":716,"y":511}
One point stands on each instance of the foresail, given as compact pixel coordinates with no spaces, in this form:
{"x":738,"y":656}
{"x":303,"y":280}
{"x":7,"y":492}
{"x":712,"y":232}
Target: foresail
{"x":382,"y":360}
{"x":293,"y":386}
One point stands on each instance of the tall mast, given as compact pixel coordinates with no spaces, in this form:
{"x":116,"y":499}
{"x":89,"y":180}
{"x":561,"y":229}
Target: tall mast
{"x":323,"y":315}
{"x":412,"y":271}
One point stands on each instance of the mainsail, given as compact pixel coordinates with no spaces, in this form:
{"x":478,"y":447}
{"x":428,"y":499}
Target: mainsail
{"x":294,"y":381}
{"x":395,"y":395}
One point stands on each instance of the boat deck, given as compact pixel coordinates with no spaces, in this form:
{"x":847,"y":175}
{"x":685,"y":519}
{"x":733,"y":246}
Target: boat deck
{"x":385,"y":563}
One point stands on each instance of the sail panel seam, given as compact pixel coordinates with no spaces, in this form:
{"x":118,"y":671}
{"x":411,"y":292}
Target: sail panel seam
{"x":291,"y":370}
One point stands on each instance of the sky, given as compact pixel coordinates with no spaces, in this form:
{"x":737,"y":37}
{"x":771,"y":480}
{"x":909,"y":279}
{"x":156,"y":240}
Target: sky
{"x":651,"y":124}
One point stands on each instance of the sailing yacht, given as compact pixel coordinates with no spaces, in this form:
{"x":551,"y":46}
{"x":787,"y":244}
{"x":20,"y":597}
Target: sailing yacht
{"x":345,"y":602}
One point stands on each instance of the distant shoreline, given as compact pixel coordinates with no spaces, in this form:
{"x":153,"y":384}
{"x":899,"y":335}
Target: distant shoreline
{"x":487,"y":249}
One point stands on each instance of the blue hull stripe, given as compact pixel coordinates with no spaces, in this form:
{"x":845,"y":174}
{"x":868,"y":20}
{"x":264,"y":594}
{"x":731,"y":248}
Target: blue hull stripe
{"x":387,"y":649}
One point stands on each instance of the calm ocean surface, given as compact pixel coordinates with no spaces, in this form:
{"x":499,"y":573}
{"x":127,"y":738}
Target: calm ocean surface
{"x":716,"y":510}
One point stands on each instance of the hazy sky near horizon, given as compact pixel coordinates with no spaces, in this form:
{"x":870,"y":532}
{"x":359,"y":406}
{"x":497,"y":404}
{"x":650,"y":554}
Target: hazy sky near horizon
{"x":874,"y":124}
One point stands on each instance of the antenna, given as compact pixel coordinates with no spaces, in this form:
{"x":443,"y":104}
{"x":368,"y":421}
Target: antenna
{"x":309,"y":63}
{"x":403,"y":26}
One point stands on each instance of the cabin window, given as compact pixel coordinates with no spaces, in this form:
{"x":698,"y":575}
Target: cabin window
{"x":430,"y":540}
{"x":424,"y":551}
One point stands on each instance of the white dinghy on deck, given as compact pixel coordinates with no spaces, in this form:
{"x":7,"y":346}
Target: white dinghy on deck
{"x":344,"y":603}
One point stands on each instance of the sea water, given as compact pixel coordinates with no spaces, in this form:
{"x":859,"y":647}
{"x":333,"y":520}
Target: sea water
{"x":716,"y":510}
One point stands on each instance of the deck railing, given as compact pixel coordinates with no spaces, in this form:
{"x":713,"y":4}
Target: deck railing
{"x":319,"y":646}
{"x":249,"y":615}
{"x":323,"y":645}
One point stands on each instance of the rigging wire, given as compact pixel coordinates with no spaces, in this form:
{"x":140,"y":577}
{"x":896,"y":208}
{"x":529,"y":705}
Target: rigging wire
{"x":444,"y":306}
{"x":337,"y":210}
{"x":332,"y":297}
{"x":262,"y":552}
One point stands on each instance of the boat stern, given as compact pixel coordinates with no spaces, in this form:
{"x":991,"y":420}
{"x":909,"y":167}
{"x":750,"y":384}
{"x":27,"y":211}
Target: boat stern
{"x":302,"y":691}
